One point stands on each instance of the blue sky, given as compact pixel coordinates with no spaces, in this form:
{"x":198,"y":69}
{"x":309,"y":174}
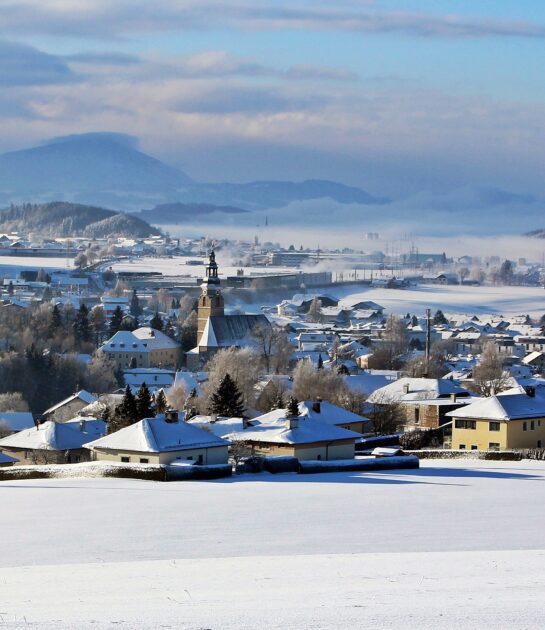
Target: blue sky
{"x":394,"y":96}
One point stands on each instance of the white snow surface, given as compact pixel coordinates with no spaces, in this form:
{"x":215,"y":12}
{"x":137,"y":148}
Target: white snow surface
{"x":454,"y":544}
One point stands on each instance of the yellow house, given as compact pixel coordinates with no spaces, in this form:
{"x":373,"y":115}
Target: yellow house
{"x":503,"y":422}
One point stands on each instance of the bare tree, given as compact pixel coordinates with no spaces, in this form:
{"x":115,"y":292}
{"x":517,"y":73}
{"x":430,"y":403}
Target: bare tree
{"x":489,"y":377}
{"x":386,"y":416}
{"x":310,"y":383}
{"x":176,"y":396}
{"x":314,"y":313}
{"x":272,"y":346}
{"x":239,"y":450}
{"x":13,"y":401}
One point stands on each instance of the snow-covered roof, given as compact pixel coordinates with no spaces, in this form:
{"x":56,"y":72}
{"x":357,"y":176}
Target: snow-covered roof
{"x":51,"y":436}
{"x":7,"y":459}
{"x":307,"y":431}
{"x":16,"y":420}
{"x":510,"y":407}
{"x":154,"y":339}
{"x":221,"y":427}
{"x":82,"y":395}
{"x":124,"y":341}
{"x":156,"y":435}
{"x":408,"y":389}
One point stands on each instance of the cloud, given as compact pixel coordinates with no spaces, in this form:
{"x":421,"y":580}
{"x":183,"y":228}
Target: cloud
{"x":103,"y":58}
{"x":22,"y":65}
{"x":104,"y":18}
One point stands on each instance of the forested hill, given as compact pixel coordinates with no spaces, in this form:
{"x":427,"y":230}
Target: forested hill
{"x":72,"y":219}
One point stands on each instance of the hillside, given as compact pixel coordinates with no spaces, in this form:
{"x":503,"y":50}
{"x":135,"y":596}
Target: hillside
{"x":71,"y":219}
{"x":536,"y":233}
{"x":181,"y":212}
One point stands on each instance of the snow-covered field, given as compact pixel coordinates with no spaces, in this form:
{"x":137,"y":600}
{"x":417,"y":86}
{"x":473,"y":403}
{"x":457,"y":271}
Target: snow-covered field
{"x":452,"y":299}
{"x":456,"y":544}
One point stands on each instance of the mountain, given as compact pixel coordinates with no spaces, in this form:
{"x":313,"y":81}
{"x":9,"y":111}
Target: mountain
{"x":70,"y":219}
{"x":182,"y":212}
{"x":536,"y":233}
{"x":107,"y":169}
{"x":99,"y":168}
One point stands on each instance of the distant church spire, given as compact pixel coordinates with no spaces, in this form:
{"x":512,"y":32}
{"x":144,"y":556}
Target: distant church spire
{"x":212,"y":269}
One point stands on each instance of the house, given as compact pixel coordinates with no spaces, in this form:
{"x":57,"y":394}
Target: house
{"x":53,"y":442}
{"x":155,"y":378}
{"x":501,"y":422}
{"x":164,"y":439}
{"x":144,"y":347}
{"x":14,"y":421}
{"x":423,"y":402}
{"x":69,"y":407}
{"x":303,"y":437}
{"x":535,"y":359}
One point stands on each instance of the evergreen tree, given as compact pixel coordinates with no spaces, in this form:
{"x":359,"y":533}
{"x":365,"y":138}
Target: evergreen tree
{"x":116,"y":321}
{"x":125,"y":413}
{"x":135,"y":308}
{"x":320,"y":362}
{"x":10,"y":288}
{"x":227,"y":399}
{"x":161,"y":403}
{"x":278,"y":402}
{"x":156,"y":322}
{"x":292,"y":408}
{"x":81,"y":328}
{"x":414,"y":320}
{"x":144,"y":402}
{"x":55,"y":321}
{"x":439,"y":318}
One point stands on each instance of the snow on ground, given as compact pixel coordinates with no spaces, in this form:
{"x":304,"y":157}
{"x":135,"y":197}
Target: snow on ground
{"x":456,"y":544}
{"x":14,"y":264}
{"x":451,"y":299}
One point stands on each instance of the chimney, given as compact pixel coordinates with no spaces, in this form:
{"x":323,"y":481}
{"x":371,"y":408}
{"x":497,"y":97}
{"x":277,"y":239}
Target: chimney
{"x":171,"y":416}
{"x":531,"y":391}
{"x":245,"y":423}
{"x":82,"y":424}
{"x":292,"y":422}
{"x":453,"y":398}
{"x":317,"y":405}
{"x":406,"y":388}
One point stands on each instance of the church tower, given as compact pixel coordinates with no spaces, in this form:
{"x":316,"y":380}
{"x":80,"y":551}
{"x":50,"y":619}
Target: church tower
{"x":211,"y":300}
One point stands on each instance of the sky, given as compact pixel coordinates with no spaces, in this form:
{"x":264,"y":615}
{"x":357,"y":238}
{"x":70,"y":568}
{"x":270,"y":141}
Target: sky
{"x":395,"y":96}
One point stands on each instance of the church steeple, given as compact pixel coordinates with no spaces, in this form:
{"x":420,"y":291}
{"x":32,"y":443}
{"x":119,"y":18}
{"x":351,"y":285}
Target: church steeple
{"x":211,"y":300}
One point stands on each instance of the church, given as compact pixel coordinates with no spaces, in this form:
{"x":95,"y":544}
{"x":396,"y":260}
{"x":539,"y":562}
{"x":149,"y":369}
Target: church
{"x":215,"y":330}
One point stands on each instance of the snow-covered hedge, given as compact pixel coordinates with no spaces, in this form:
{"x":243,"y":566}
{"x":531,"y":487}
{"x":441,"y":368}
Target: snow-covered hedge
{"x":371,"y":463}
{"x":439,"y":453}
{"x":150,"y":472}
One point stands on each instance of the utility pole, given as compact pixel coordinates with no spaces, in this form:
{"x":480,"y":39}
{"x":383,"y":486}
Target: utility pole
{"x":428,"y":339}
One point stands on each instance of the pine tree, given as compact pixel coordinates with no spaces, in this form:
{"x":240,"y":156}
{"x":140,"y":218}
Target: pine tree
{"x":161,"y":403}
{"x":414,"y":320}
{"x":135,"y":308}
{"x":156,"y":322}
{"x":81,"y":328}
{"x":320,"y":362}
{"x":292,"y":408}
{"x":278,"y":402}
{"x":55,"y":321}
{"x":125,"y":413}
{"x":144,"y":402}
{"x":227,"y":400}
{"x":10,"y":288}
{"x":116,"y":321}
{"x":439,"y":318}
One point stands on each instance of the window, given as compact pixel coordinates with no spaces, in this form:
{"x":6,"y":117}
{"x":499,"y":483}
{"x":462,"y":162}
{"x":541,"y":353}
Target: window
{"x":126,"y":459}
{"x":539,"y":444}
{"x":144,"y":460}
{"x":494,"y":446}
{"x":465,"y":424}
{"x":525,"y":426}
{"x":416,"y":415}
{"x":532,"y":425}
{"x":474,"y":447}
{"x":462,"y":447}
{"x":493,"y":426}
